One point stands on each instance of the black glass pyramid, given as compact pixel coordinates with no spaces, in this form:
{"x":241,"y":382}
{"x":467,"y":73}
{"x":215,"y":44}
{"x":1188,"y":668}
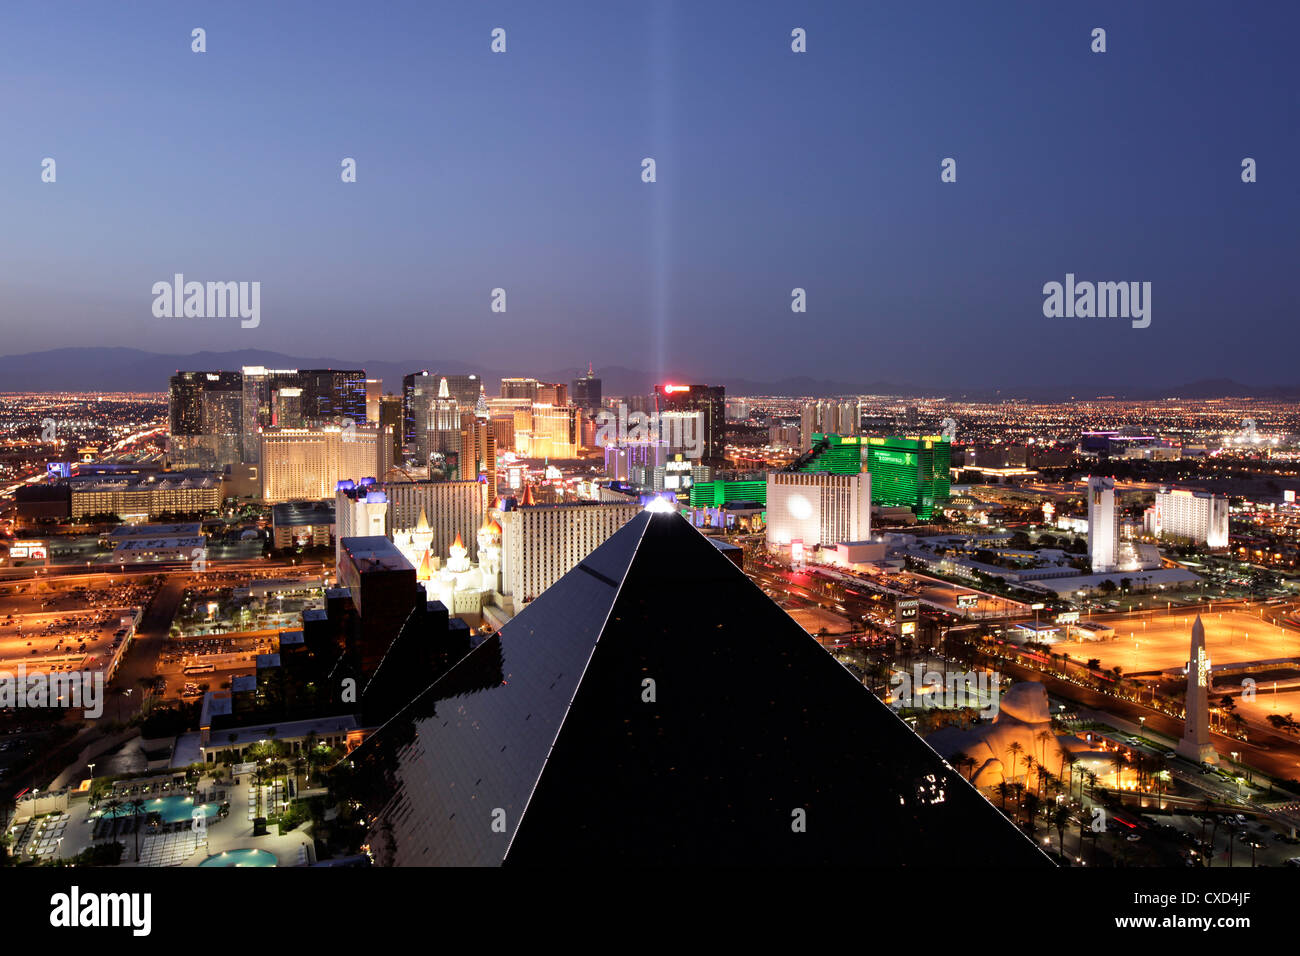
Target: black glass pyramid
{"x":655,"y":707}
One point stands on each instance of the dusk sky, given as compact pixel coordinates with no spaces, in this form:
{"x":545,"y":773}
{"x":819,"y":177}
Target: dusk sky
{"x":775,"y":170}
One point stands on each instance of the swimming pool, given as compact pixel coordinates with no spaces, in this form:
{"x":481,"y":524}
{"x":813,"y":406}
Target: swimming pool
{"x":172,"y":809}
{"x":247,"y":856}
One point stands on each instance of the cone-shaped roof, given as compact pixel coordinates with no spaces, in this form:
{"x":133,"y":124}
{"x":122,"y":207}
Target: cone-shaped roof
{"x":655,"y":707}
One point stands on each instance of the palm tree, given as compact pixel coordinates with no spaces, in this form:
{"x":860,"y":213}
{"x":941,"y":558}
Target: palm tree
{"x":1015,"y":750}
{"x":1060,"y":818}
{"x":1044,"y":736}
{"x":1031,"y":810}
{"x":1030,"y":764}
{"x":299,"y":767}
{"x":280,"y":769}
{"x":111,"y":808}
{"x":1068,"y":759}
{"x":137,"y":808}
{"x":1003,"y":789}
{"x":147,"y":686}
{"x":258,"y":775}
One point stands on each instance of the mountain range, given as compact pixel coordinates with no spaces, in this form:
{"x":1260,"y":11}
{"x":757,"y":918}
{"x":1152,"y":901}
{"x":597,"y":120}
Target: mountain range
{"x":134,"y":370}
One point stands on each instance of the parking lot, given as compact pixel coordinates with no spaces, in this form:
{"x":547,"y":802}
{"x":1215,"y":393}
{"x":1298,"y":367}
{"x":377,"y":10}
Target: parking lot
{"x":94,"y":634}
{"x":1160,"y":642}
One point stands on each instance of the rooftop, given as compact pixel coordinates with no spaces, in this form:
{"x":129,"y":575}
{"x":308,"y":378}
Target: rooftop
{"x":754,"y":726}
{"x":375,"y":553}
{"x":292,"y":513}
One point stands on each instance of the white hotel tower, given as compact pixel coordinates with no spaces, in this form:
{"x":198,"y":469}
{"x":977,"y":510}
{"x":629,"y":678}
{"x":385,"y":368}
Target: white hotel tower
{"x":816,"y":508}
{"x":1199,"y":516}
{"x":1103,"y":525}
{"x":542,"y":543}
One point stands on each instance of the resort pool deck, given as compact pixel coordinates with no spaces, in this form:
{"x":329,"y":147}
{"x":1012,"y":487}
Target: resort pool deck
{"x":245,"y":856}
{"x":172,"y":809}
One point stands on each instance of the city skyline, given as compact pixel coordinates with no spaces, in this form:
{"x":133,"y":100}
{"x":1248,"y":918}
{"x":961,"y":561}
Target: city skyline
{"x":649,"y":434}
{"x":776,"y":171}
{"x":123,"y":370}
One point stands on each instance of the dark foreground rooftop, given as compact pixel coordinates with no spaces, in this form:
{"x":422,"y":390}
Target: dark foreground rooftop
{"x":548,"y":744}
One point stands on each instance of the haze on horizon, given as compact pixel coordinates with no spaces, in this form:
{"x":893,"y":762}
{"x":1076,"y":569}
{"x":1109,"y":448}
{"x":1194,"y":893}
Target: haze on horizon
{"x":775,"y":170}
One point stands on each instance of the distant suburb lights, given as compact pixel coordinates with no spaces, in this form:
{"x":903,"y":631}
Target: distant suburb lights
{"x":1125,"y":300}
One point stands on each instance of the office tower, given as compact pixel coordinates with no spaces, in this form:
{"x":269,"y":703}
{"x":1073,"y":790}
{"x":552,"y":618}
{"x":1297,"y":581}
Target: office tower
{"x":390,"y":417}
{"x":1103,"y":525}
{"x":829,"y":416}
{"x":656,"y":708}
{"x":441,"y":437}
{"x":711,"y":400}
{"x":360,"y":511}
{"x":624,"y":459}
{"x":465,"y":389}
{"x":554,"y":432}
{"x":298,"y":398}
{"x":542,"y":543}
{"x":259,"y":386}
{"x":909,"y":473}
{"x":478,"y":451}
{"x":332,"y":396}
{"x":807,"y":510}
{"x":378,"y":628}
{"x":1199,"y":517}
{"x":381,"y":583}
{"x":503,"y":430}
{"x":911,"y":418}
{"x":809,"y":424}
{"x":374,"y":395}
{"x":520,"y":388}
{"x":1195,"y":744}
{"x":205,"y":419}
{"x":587,"y":431}
{"x":585,"y":391}
{"x":451,"y":507}
{"x":683,"y":432}
{"x":784,"y":435}
{"x":308,"y":463}
{"x":419,"y":391}
{"x":737,"y":410}
{"x":550,"y":393}
{"x":287,"y":408}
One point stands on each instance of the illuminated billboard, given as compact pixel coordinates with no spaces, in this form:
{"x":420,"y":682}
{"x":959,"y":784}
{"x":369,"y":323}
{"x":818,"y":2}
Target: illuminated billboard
{"x":906,"y":613}
{"x":28,"y":550}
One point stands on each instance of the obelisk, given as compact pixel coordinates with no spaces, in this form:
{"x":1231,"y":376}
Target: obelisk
{"x":1195,"y":744}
